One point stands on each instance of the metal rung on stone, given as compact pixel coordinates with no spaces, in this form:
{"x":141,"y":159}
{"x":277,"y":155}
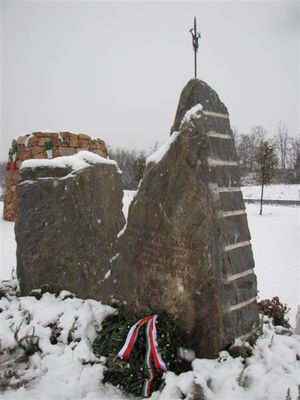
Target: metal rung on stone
{"x":219,"y":135}
{"x":221,"y":163}
{"x":229,"y":189}
{"x":242,"y":304}
{"x":225,"y":214}
{"x":236,"y":245}
{"x":215,"y":114}
{"x":234,"y":277}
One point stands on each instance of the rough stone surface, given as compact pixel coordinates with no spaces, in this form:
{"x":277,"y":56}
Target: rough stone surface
{"x":198,"y":92}
{"x":66,"y":227}
{"x":173,"y":255}
{"x":33,"y":146}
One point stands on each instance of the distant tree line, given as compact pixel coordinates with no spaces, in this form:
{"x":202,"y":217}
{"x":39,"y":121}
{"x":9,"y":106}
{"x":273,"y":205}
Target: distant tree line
{"x":132,"y":164}
{"x":286,"y":150}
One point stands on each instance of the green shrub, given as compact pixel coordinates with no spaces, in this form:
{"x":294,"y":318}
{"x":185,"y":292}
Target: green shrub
{"x":240,"y":351}
{"x":130,"y":375}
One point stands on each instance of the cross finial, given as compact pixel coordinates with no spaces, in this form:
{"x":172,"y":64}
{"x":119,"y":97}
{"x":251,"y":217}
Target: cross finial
{"x":195,"y":35}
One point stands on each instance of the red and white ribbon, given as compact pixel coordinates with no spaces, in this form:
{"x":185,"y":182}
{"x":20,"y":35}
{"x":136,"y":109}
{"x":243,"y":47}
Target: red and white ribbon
{"x":152,"y":353}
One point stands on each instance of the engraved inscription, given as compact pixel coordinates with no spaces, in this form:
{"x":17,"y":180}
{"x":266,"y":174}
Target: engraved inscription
{"x":169,"y":253}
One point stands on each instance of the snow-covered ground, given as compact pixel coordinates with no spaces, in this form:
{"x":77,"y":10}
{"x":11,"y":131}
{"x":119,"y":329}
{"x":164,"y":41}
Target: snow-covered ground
{"x":69,"y":370}
{"x":64,"y":367}
{"x":275,"y":244}
{"x":273,"y":192}
{"x":7,"y":247}
{"x":64,"y":370}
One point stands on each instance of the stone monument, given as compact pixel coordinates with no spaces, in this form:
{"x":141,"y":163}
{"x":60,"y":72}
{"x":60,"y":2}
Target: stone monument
{"x":186,"y":248}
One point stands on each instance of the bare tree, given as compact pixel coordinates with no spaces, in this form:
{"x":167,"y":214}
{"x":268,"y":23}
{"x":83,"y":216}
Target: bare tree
{"x":132,"y":164}
{"x":259,"y":133}
{"x":282,"y":141}
{"x":247,"y":146}
{"x":153,"y":149}
{"x":235,"y":134}
{"x":125,"y":159}
{"x":293,"y":153}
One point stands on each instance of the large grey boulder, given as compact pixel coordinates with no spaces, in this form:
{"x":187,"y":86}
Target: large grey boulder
{"x":69,"y":215}
{"x":186,"y":248}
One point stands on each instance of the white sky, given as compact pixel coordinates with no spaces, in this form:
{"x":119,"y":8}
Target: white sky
{"x":116,"y":70}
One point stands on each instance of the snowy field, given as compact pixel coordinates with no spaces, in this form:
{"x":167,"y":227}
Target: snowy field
{"x":272,"y":192}
{"x":7,"y":247}
{"x":275,"y":243}
{"x":69,"y":370}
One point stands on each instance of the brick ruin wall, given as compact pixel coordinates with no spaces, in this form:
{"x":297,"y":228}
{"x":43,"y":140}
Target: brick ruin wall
{"x":42,"y":145}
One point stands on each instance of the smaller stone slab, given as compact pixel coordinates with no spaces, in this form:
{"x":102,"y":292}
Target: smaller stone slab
{"x":69,"y":215}
{"x":34,"y":146}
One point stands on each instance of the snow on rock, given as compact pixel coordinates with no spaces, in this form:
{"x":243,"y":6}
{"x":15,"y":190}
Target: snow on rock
{"x":192,"y":112}
{"x":76,"y":162}
{"x":160,"y":153}
{"x":128,"y":197}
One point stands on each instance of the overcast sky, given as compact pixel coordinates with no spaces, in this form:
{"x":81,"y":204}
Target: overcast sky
{"x":116,"y":70}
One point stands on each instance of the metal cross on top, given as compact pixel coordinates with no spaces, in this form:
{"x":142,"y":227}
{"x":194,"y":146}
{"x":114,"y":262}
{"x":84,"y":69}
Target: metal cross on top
{"x":196,"y":36}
